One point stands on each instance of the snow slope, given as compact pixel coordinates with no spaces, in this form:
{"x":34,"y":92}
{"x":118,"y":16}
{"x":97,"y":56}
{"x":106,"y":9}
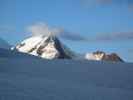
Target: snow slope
{"x":32,"y":78}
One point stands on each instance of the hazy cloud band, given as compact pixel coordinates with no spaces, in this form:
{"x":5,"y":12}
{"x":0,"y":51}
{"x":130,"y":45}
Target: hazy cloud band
{"x":44,"y":29}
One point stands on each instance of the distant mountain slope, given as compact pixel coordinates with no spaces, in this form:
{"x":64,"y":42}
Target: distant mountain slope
{"x":5,"y":53}
{"x":4,"y":44}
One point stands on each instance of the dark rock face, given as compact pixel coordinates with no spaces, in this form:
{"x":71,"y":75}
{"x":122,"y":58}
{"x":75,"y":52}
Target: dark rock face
{"x":58,"y":46}
{"x":112,"y":57}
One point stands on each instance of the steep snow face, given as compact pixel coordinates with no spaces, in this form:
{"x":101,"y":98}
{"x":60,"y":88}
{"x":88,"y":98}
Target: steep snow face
{"x":48,"y":47}
{"x":4,"y":44}
{"x":99,"y":56}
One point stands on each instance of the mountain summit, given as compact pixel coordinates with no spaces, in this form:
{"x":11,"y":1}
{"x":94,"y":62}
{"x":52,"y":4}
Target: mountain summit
{"x":48,"y":47}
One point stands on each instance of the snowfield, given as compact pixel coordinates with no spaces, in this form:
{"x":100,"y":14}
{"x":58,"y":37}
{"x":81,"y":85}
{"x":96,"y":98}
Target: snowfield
{"x":25,"y":77}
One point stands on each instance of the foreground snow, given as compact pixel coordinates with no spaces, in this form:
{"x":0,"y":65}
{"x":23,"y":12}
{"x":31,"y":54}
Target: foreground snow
{"x":30,"y":78}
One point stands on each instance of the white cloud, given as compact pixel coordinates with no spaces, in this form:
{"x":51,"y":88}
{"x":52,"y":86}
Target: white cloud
{"x":43,"y":29}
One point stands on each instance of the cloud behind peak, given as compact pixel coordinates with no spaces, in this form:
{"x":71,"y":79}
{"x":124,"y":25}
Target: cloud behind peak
{"x":42,"y":28}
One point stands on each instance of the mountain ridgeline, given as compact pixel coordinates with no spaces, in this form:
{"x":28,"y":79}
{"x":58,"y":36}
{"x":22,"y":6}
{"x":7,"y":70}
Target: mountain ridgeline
{"x":50,"y":47}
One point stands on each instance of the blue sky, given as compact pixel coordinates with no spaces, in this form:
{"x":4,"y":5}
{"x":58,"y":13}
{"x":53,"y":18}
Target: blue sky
{"x":106,"y":24}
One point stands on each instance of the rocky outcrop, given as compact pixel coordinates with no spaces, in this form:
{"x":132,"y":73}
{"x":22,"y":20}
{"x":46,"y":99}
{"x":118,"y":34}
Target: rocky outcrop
{"x":102,"y":56}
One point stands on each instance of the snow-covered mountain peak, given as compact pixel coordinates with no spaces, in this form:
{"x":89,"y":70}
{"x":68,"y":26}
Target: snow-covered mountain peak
{"x":48,"y":47}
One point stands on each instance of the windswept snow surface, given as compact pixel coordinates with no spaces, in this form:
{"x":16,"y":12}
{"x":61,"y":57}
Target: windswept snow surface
{"x":32,"y":78}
